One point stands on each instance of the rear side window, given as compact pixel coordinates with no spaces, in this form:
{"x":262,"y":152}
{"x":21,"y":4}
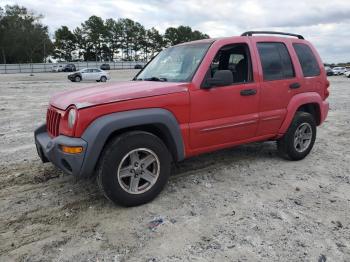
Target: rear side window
{"x":307,"y":60}
{"x":275,"y":60}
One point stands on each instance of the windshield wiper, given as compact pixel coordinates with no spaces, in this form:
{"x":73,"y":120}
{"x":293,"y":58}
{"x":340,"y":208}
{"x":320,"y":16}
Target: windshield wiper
{"x":154,"y":78}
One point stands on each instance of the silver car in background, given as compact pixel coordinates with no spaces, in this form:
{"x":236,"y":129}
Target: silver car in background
{"x":89,"y":74}
{"x":338,"y":70}
{"x":347,"y":73}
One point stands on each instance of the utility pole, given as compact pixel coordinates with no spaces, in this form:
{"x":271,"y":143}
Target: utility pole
{"x":3,"y":54}
{"x":4,"y":57}
{"x":45,"y":51}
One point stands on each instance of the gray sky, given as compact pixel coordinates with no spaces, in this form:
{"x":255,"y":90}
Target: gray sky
{"x":325,"y":23}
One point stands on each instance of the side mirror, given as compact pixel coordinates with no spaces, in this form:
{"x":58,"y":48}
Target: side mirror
{"x":221,"y":78}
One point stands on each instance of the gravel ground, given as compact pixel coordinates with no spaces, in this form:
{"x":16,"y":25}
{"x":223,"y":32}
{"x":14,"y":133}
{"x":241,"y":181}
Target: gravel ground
{"x":240,"y":204}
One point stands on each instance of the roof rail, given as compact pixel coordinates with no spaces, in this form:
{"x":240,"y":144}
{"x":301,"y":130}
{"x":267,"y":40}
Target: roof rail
{"x":250,"y":33}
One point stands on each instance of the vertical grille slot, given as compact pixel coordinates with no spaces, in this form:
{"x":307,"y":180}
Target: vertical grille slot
{"x":53,"y":122}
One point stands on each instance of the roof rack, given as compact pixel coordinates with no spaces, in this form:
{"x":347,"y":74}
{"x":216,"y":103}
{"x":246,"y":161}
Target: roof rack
{"x":250,"y":33}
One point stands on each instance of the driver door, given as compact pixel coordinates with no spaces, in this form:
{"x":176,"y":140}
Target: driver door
{"x":85,"y":74}
{"x":223,"y":115}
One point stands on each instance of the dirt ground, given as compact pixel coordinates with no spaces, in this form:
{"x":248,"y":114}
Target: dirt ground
{"x":240,"y":204}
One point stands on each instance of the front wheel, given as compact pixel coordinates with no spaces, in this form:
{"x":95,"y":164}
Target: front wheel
{"x":133,"y":168}
{"x":77,"y":79}
{"x":300,"y":137}
{"x":103,"y":79}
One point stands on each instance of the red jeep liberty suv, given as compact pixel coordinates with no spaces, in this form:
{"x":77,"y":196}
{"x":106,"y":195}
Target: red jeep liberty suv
{"x":190,"y":99}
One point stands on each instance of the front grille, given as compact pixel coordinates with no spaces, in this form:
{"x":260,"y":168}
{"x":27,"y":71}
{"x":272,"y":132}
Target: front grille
{"x":53,"y":122}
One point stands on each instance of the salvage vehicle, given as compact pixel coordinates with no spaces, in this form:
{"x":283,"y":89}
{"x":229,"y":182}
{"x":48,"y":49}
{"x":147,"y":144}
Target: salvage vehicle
{"x":105,"y":67}
{"x":192,"y":98}
{"x":329,"y":71}
{"x":90,"y":74}
{"x":57,"y":68}
{"x":338,"y":70}
{"x":69,"y":68}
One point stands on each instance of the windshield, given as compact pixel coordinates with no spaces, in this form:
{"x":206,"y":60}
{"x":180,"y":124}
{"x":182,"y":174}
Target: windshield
{"x":175,"y":64}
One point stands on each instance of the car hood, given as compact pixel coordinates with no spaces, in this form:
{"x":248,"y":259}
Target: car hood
{"x":115,"y":92}
{"x":74,"y":73}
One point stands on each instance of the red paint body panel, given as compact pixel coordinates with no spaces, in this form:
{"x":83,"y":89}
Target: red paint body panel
{"x":176,"y":103}
{"x":112,"y":93}
{"x":302,"y":99}
{"x":221,"y":115}
{"x":209,"y":119}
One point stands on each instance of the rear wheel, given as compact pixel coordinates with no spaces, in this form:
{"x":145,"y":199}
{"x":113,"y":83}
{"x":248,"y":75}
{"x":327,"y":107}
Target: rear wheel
{"x":133,"y":168}
{"x":300,"y":137}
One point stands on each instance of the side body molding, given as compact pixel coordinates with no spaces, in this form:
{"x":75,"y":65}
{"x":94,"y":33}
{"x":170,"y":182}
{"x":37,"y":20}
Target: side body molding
{"x":297,"y":101}
{"x":100,"y":129}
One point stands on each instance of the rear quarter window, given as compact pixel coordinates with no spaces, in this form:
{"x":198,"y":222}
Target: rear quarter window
{"x":307,"y":60}
{"x":275,"y":60}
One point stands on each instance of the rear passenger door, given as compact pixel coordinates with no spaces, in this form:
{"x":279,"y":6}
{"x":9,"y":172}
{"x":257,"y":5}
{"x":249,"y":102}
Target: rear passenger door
{"x":278,"y":82}
{"x":96,"y":74}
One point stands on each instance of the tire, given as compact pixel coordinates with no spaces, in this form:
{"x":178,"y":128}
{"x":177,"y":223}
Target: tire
{"x":77,"y":79}
{"x":103,"y":79}
{"x":117,"y":171}
{"x":297,"y":143}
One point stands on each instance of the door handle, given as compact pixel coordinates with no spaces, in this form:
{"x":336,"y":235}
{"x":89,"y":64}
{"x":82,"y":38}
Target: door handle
{"x":294,"y":85}
{"x":248,"y":92}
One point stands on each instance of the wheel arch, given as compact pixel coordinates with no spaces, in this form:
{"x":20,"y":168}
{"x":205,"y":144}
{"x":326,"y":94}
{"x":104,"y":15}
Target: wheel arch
{"x":159,"y":122}
{"x":158,"y":129}
{"x":313,"y":109}
{"x":310,"y":102}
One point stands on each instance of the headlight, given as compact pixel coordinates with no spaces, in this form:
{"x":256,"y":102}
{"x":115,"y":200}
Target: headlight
{"x":72,"y":116}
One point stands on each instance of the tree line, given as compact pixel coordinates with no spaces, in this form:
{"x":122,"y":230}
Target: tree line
{"x":23,"y":38}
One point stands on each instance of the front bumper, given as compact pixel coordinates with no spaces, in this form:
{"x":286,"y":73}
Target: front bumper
{"x":49,"y":151}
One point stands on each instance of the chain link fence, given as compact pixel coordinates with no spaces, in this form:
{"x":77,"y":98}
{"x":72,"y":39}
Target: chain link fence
{"x":48,"y":67}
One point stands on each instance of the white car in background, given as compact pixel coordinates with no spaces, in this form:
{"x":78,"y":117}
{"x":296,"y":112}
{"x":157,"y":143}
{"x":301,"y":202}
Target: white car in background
{"x":347,"y":73}
{"x":338,"y":70}
{"x":57,"y":68}
{"x":89,"y":74}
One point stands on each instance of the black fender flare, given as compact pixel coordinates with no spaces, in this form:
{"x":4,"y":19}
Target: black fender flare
{"x":98,"y":132}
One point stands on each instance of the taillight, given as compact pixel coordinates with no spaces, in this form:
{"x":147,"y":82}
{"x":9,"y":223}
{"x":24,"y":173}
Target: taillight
{"x":326,"y":91}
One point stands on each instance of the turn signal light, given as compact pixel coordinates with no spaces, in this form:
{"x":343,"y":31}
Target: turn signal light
{"x":72,"y":149}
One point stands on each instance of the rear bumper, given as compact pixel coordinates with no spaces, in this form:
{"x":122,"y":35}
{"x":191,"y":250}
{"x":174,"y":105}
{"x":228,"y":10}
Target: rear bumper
{"x":49,"y":151}
{"x":324,"y":110}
